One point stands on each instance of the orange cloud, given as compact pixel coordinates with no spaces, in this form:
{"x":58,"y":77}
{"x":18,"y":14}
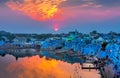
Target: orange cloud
{"x":37,"y":9}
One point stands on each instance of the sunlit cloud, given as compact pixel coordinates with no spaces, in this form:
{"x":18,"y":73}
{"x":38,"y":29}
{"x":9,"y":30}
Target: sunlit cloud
{"x":91,"y":12}
{"x":37,"y":9}
{"x":56,"y":13}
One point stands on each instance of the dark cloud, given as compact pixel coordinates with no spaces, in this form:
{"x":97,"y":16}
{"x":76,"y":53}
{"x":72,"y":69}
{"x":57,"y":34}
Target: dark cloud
{"x":73,"y":3}
{"x":108,"y":3}
{"x":3,"y":1}
{"x":104,"y":3}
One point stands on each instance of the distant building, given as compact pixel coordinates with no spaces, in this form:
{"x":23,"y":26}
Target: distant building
{"x":52,"y":43}
{"x":2,"y":42}
{"x":5,"y":39}
{"x":74,"y":32}
{"x":19,"y":41}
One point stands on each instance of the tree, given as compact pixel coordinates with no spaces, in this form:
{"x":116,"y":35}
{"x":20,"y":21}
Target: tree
{"x":104,"y":44}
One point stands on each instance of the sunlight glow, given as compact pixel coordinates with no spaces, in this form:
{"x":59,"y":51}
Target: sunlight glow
{"x":37,"y":9}
{"x":56,"y":27}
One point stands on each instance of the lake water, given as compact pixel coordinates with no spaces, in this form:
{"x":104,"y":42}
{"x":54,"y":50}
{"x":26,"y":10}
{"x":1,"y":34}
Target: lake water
{"x":41,"y":67}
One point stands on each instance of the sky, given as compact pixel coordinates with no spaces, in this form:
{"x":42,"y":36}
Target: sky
{"x":59,"y":16}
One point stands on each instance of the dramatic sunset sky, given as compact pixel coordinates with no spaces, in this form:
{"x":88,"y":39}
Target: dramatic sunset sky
{"x":57,"y":16}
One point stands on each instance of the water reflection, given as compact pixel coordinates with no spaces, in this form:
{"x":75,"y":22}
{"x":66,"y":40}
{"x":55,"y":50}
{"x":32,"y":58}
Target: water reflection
{"x":36,"y":67}
{"x":19,"y":53}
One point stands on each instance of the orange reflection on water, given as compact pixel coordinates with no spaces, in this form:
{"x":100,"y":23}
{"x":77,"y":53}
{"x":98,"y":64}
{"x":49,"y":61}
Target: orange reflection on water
{"x":35,"y":67}
{"x":38,"y":68}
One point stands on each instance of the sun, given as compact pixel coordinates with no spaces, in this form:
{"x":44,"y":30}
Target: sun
{"x":56,"y":27}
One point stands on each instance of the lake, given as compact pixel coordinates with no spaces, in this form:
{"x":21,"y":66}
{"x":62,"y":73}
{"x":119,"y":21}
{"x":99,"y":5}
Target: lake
{"x":41,"y":67}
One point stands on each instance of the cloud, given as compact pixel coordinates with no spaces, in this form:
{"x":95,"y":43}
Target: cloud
{"x":3,"y":1}
{"x":95,"y":13}
{"x":91,"y":10}
{"x":82,"y":9}
{"x":37,"y":9}
{"x":70,"y":3}
{"x":104,"y":3}
{"x":108,"y":3}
